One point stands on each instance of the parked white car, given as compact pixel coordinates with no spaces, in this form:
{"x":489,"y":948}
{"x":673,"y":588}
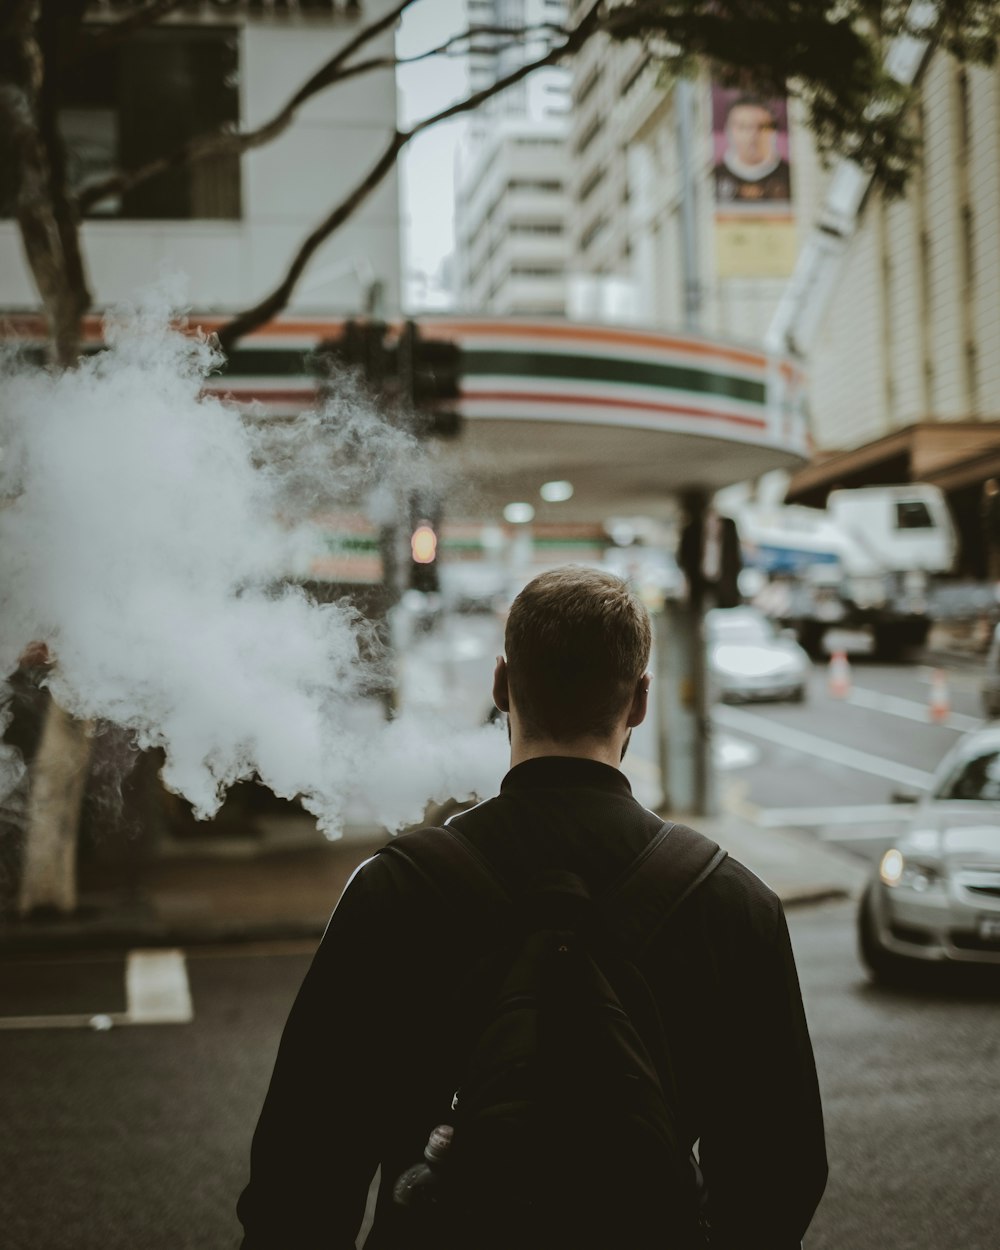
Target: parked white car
{"x":749,"y":659}
{"x":935,"y":896}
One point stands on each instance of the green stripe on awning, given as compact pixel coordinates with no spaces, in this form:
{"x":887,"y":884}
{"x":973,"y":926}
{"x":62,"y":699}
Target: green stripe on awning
{"x":607,"y":369}
{"x":278,"y":362}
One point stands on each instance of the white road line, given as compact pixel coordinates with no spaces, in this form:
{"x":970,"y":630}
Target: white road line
{"x":821,"y":748}
{"x":855,"y":835}
{"x":156,"y":992}
{"x":872,"y":813}
{"x":908,"y":709}
{"x":156,"y":988}
{"x":88,"y":1021}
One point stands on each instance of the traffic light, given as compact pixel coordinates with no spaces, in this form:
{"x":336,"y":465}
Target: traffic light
{"x":430,"y":372}
{"x":361,"y":346}
{"x":423,"y":557}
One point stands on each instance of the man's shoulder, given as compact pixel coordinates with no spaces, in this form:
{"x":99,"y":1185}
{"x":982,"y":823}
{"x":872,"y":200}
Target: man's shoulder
{"x":733,"y":900}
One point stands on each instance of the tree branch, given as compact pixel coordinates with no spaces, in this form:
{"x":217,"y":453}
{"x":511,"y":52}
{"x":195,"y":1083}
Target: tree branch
{"x":233,"y":143}
{"x":272,"y":304}
{"x":47,"y":222}
{"x":222,"y":142}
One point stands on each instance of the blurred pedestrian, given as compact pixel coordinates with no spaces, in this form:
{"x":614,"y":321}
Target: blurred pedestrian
{"x":379,"y":1036}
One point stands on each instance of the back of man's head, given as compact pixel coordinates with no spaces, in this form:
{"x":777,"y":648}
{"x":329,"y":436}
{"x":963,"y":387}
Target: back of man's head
{"x":577,"y":642}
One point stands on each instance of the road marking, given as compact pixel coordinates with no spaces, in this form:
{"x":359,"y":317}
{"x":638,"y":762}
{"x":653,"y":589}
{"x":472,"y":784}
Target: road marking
{"x":821,"y":748}
{"x":908,"y":709}
{"x":156,"y":992}
{"x":733,"y":753}
{"x":156,"y":988}
{"x":854,"y":835}
{"x":88,"y":1021}
{"x":873,"y":813}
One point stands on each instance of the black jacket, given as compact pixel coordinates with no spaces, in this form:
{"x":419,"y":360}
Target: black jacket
{"x":364,"y":1069}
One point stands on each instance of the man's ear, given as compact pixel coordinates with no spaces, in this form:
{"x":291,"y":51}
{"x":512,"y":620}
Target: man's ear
{"x":501,"y":694}
{"x":640,"y":702}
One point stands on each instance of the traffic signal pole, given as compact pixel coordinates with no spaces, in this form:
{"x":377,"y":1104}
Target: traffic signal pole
{"x":682,"y":706}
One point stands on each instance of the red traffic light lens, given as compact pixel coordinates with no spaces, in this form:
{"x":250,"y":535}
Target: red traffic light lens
{"x":423,"y":545}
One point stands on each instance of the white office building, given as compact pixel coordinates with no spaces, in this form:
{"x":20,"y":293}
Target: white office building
{"x":230,"y":226}
{"x":511,"y":198}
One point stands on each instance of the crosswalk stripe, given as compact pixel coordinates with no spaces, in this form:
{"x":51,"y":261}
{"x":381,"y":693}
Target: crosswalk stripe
{"x":821,"y":748}
{"x":156,"y":992}
{"x":156,"y":988}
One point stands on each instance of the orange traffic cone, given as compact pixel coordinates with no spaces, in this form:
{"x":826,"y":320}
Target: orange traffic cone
{"x":839,"y":676}
{"x":939,"y":707}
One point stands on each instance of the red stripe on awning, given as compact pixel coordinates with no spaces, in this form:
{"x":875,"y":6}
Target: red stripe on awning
{"x":601,"y":401}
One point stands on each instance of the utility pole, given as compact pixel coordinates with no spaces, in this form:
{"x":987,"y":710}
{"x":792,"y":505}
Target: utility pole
{"x":684,"y":726}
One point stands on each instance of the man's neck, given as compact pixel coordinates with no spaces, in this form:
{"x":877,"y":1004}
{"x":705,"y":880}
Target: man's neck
{"x":600,"y":749}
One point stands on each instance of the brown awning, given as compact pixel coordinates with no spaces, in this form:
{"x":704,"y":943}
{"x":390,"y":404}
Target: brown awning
{"x":951,"y":454}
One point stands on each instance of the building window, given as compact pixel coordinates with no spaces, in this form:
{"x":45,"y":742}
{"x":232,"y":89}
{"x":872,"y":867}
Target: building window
{"x":968,"y":252}
{"x":143,"y":98}
{"x":535,"y":271}
{"x":589,"y":135}
{"x":534,"y":184}
{"x":593,"y":231}
{"x":635,"y":75}
{"x":972,"y":376}
{"x":592,"y":183}
{"x":536,"y":227}
{"x":964,"y":114}
{"x":587,"y":86}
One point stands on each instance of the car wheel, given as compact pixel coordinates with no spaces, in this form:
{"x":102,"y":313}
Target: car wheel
{"x":799,"y":695}
{"x":886,"y":967}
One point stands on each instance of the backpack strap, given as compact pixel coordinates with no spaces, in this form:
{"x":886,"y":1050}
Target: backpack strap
{"x":452,"y":867}
{"x":666,"y":872}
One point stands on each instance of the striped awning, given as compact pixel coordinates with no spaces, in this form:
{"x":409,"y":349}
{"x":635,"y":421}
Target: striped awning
{"x":629,"y":416}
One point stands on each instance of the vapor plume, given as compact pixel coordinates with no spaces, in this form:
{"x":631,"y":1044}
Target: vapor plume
{"x":148,"y":536}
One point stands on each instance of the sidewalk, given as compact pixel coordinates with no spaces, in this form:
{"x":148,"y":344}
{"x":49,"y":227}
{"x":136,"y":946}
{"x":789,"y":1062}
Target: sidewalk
{"x":284,"y":884}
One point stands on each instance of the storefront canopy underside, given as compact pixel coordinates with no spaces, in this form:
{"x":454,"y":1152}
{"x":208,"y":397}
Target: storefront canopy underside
{"x":949,"y":454}
{"x":612,"y":470}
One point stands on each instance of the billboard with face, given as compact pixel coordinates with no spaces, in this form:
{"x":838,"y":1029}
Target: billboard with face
{"x":754,"y":225}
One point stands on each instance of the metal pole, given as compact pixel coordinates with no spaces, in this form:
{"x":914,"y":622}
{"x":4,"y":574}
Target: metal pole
{"x":684,"y":722}
{"x":685,"y":99}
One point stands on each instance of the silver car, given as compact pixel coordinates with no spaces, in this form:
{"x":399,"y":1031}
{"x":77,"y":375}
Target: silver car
{"x":935,"y":896}
{"x":749,"y":659}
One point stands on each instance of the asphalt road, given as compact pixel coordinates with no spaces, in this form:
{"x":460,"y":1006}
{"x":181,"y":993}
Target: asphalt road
{"x":137,"y":1135}
{"x":831,"y":765}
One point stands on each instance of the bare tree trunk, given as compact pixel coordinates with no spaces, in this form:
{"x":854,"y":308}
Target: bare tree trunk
{"x":31,"y":36}
{"x":58,"y":781}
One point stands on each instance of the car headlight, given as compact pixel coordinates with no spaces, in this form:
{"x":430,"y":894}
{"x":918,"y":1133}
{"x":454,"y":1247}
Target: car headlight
{"x":897,"y":871}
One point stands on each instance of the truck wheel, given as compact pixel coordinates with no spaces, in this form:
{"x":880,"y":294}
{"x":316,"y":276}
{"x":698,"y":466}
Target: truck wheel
{"x":811,"y":635}
{"x":893,"y":640}
{"x":890,"y":643}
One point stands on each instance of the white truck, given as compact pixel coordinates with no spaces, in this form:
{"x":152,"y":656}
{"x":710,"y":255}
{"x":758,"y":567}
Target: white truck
{"x":871,"y":558}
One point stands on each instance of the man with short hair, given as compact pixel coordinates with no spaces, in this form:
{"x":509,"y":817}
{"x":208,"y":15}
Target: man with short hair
{"x":752,"y":170}
{"x":373,"y":1040}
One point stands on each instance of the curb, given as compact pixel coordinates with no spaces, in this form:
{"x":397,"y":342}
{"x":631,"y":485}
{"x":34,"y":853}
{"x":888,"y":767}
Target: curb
{"x":33,"y":938}
{"x":813,"y":898}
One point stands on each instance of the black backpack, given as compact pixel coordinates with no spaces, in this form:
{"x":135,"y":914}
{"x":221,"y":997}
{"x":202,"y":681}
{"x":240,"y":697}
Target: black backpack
{"x":563,"y":1131}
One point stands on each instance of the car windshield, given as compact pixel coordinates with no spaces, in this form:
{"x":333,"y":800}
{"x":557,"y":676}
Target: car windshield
{"x":976,"y":778}
{"x":724,"y":629}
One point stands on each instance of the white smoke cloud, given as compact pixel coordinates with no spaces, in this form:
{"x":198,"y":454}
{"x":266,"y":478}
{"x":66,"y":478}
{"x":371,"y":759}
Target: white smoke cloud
{"x":147,"y":535}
